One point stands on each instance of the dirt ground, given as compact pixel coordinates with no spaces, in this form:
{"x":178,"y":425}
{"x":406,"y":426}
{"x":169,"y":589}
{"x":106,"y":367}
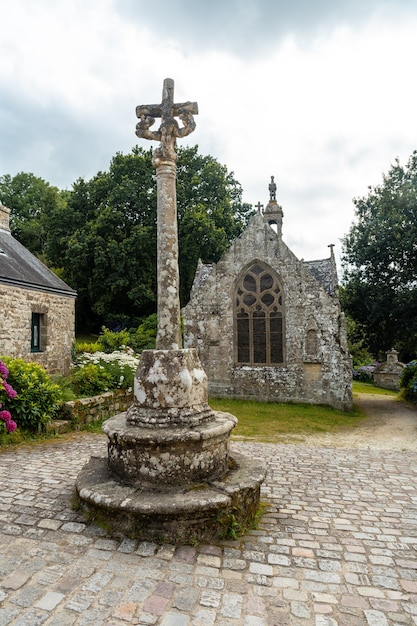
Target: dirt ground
{"x":389,"y":425}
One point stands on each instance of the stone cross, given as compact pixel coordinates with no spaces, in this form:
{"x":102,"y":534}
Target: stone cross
{"x":164,"y":159}
{"x":259,"y":206}
{"x":169,"y":129}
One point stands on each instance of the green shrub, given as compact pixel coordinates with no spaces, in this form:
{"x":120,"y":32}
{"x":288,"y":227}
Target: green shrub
{"x":90,"y":380}
{"x":144,"y":337}
{"x":141,"y":338}
{"x":98,"y":372}
{"x":364,"y":373}
{"x":86,"y":346}
{"x":38,"y":398}
{"x":408,"y":381}
{"x":110,"y":341}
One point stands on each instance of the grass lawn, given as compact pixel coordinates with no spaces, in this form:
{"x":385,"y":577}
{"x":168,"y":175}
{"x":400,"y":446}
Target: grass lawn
{"x":358,"y":387}
{"x":272,"y":422}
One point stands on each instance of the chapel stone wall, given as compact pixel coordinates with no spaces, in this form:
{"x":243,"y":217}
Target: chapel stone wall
{"x":57,"y":327}
{"x":317,"y":367}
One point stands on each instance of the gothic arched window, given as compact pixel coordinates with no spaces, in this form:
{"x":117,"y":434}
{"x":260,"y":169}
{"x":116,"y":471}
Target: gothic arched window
{"x":259,"y":314}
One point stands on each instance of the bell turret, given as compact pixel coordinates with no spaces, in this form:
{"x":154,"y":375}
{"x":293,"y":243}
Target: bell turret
{"x":273,"y":212}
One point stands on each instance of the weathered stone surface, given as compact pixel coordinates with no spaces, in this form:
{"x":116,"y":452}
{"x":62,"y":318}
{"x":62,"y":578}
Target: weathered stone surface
{"x":170,"y":389}
{"x":387,"y":375}
{"x":316,"y":365}
{"x":164,"y":159}
{"x":58,"y":330}
{"x":145,"y":456}
{"x":173,"y":514}
{"x":168,"y":476}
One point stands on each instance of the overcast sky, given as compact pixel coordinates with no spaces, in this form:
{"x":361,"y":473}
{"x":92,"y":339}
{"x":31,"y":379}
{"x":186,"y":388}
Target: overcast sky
{"x":321,"y":94}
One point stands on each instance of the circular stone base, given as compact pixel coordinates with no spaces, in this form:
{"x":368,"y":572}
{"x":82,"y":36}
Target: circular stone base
{"x":170,"y":513}
{"x":148,"y":456}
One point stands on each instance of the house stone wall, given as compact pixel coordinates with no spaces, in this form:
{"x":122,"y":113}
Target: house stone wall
{"x":58,"y":324}
{"x":317,"y":372}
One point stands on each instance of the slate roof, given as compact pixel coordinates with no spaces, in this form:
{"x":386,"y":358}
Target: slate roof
{"x":21,"y":268}
{"x":324,"y":272}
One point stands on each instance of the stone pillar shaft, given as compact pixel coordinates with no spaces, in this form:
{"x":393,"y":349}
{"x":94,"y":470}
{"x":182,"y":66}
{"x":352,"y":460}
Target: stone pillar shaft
{"x":169,"y":322}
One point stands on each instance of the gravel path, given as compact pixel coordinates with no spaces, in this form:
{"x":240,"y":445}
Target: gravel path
{"x":390,"y":425}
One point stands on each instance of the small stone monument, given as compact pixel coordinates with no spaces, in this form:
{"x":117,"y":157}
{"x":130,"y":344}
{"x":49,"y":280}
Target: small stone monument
{"x":169,"y":475}
{"x":387,"y":374}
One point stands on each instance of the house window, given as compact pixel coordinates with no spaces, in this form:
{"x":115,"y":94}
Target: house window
{"x":259,"y":314}
{"x":36,"y":343}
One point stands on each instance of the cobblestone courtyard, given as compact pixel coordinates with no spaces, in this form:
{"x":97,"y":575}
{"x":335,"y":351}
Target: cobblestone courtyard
{"x":337,"y":546}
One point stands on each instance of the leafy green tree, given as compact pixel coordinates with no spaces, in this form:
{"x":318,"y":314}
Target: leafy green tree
{"x":101,"y":235}
{"x":210,"y":212}
{"x":31,"y":200}
{"x":380,"y":261}
{"x":110,"y":253}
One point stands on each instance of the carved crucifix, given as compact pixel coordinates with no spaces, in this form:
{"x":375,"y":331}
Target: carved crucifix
{"x":164,"y":159}
{"x":169,"y":129}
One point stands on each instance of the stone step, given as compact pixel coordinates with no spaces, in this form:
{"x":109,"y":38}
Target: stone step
{"x":171,"y":514}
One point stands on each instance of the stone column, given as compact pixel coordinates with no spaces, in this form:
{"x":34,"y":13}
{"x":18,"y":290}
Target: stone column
{"x":169,"y":323}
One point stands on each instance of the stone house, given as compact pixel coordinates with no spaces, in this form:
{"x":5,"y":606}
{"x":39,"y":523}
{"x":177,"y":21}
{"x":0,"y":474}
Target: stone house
{"x":268,"y":326}
{"x":37,"y":316}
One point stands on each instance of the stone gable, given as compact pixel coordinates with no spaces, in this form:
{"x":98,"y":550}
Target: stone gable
{"x":315,"y":365}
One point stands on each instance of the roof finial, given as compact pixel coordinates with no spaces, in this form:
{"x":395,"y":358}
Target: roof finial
{"x":272,"y":189}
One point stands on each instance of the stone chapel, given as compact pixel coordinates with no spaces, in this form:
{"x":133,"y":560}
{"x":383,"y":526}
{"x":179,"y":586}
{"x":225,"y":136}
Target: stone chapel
{"x":268,"y":326}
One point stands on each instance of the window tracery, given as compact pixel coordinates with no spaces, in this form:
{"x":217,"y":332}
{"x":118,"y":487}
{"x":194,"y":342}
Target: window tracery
{"x":259,"y":317}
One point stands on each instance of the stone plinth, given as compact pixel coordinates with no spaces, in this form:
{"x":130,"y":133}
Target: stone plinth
{"x":388,"y":374}
{"x":169,"y":476}
{"x":170,"y":513}
{"x":172,"y":456}
{"x":170,"y":389}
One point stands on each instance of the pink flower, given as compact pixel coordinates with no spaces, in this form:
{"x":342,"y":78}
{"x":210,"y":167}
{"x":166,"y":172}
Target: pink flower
{"x":9,"y":390}
{"x":11,"y":426}
{"x":4,"y":372}
{"x":5,"y":416}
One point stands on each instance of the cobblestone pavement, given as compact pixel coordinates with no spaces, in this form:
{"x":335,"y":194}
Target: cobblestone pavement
{"x":336,"y":547}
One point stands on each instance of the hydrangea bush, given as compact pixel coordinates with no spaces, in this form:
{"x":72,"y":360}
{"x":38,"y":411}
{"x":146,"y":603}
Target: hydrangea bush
{"x":37,"y":399}
{"x":7,"y":393}
{"x":99,"y":372}
{"x":365,"y":373}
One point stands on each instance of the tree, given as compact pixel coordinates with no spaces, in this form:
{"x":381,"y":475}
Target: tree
{"x":31,"y":200}
{"x":105,"y":237}
{"x":109,"y":254}
{"x":210,"y":212}
{"x":380,"y":261}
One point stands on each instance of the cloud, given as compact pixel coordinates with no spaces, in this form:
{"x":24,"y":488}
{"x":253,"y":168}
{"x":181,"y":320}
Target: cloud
{"x":252,"y":28}
{"x":320,"y":95}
